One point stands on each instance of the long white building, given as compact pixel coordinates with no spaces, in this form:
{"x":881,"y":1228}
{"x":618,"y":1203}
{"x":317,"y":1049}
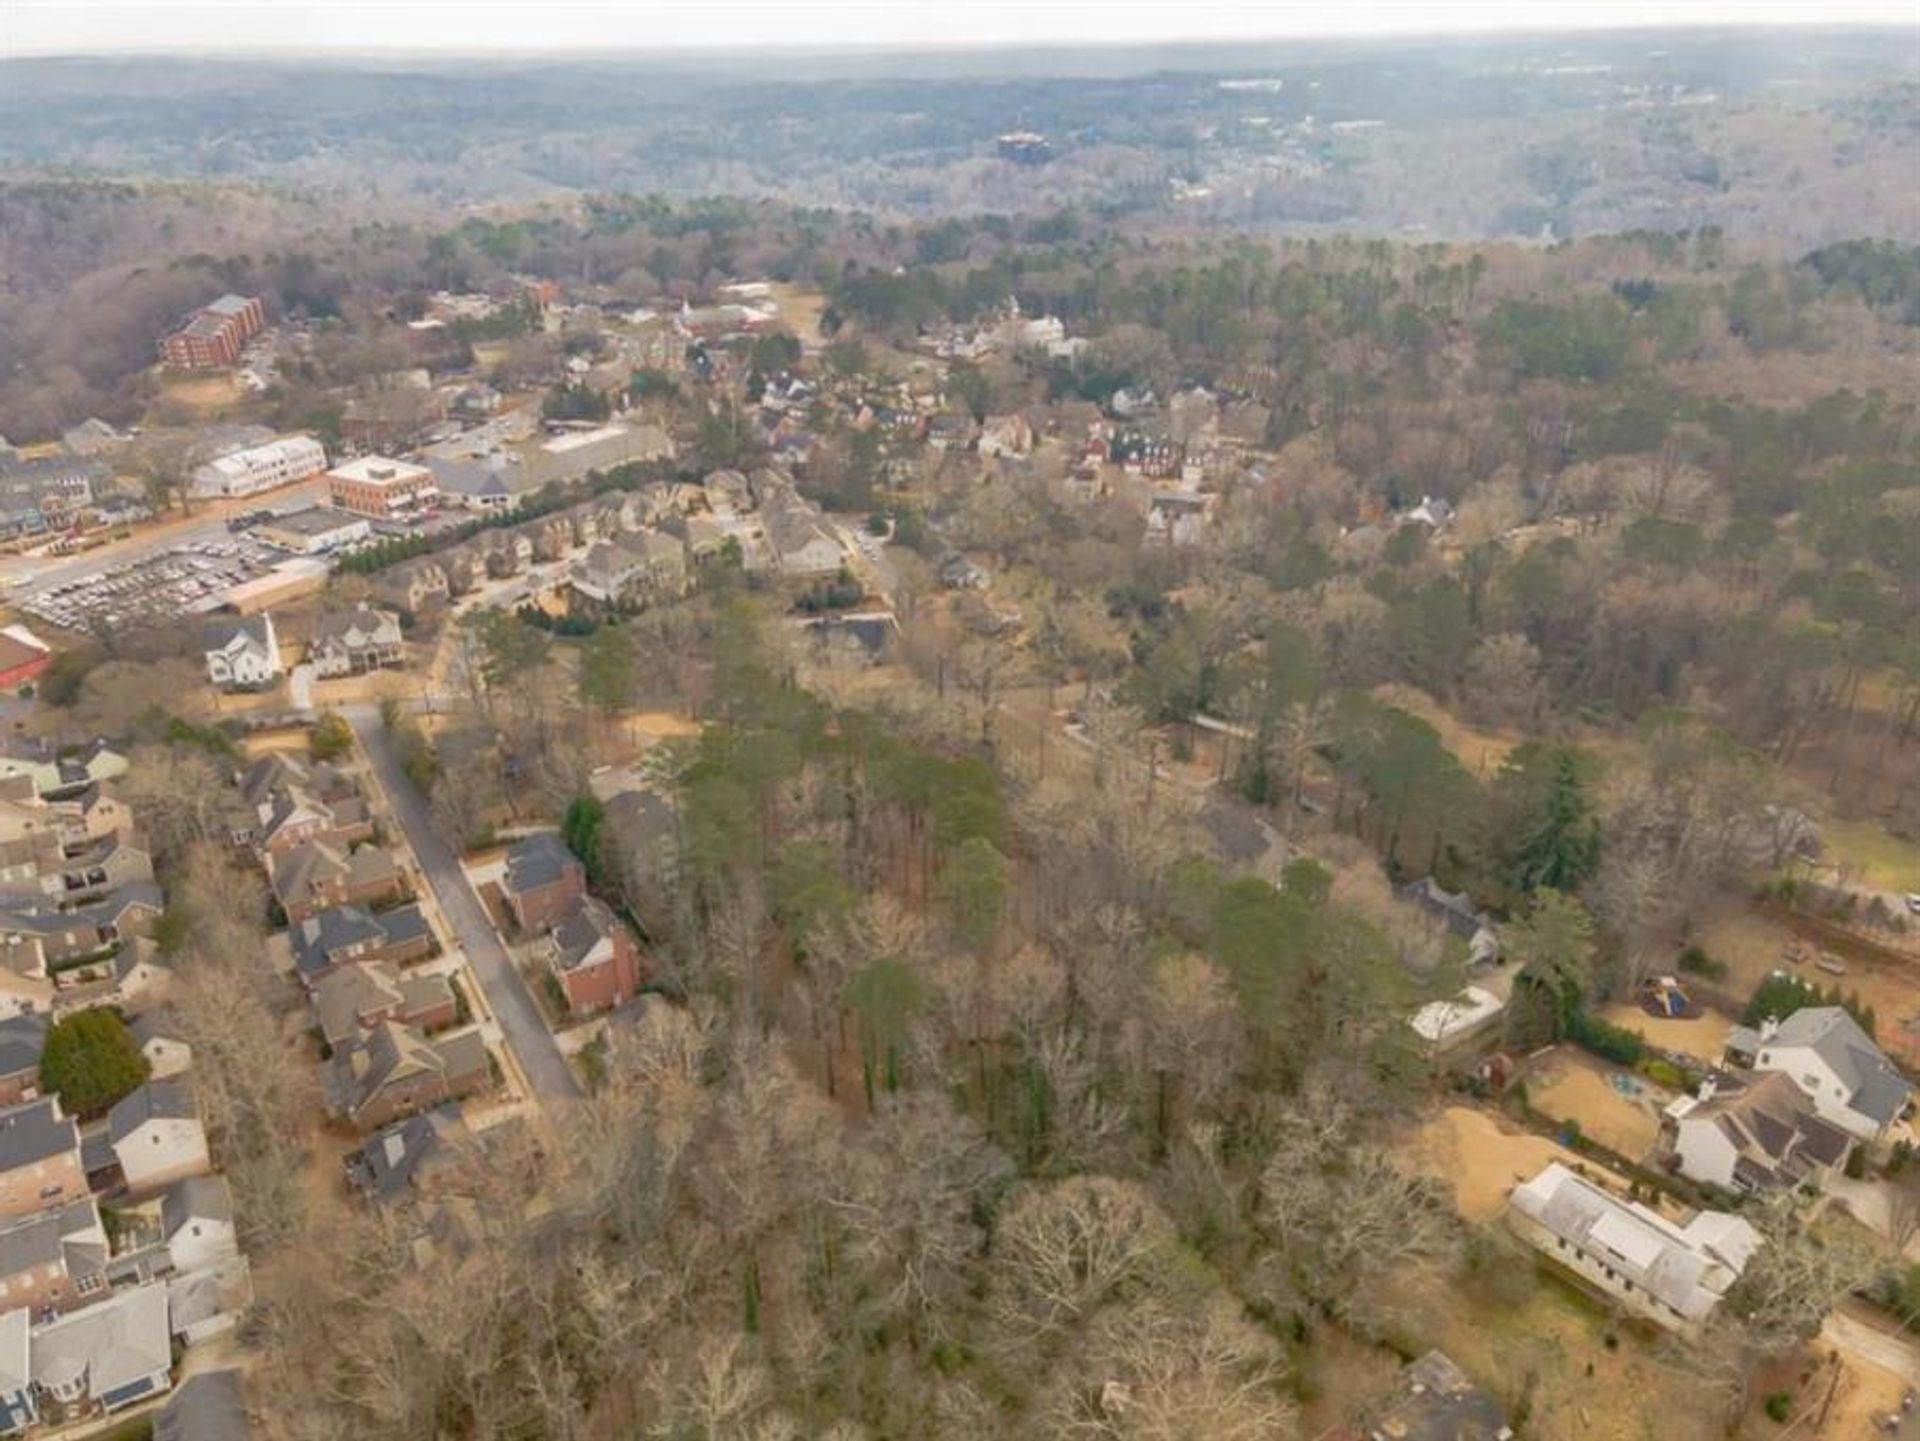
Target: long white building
{"x":1672,"y":1275}
{"x":261,"y":467}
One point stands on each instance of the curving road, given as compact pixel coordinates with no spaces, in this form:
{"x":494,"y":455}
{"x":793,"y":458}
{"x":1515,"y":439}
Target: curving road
{"x":521,"y":1024}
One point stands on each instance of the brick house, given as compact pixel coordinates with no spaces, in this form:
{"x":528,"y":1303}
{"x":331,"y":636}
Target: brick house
{"x":593,"y":958}
{"x":542,"y":881}
{"x":40,"y":1163}
{"x":392,"y":1071}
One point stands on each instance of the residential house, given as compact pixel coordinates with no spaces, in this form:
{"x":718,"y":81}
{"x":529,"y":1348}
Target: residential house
{"x":157,"y":1136}
{"x":632,"y":569}
{"x":209,"y":1302}
{"x":543,"y":879}
{"x":209,"y":1406}
{"x":357,"y":997}
{"x":1179,"y":517}
{"x":294,"y":799}
{"x":131,"y":977}
{"x":592,"y":957}
{"x":956,"y":572}
{"x":196,"y":1223}
{"x":645,"y":828}
{"x":242,"y":652}
{"x":58,"y":775}
{"x":22,"y":1039}
{"x":315,"y":875}
{"x":40,"y":1163}
{"x":1455,"y":912}
{"x":109,"y":1355}
{"x":160,"y":1041}
{"x":37,"y":940}
{"x":951,"y":431}
{"x":1752,"y":1131}
{"x":391,"y":1070}
{"x":476,"y":485}
{"x":1006,"y":435}
{"x":1671,"y":1275}
{"x":397,"y":1160}
{"x":414,"y":586}
{"x":19,"y":1408}
{"x":1434,"y":514}
{"x":49,"y":493}
{"x":356,"y":641}
{"x":348,"y":935}
{"x":54,"y":1259}
{"x":1849,"y":1079}
{"x":1437,"y":1401}
{"x":804,"y":545}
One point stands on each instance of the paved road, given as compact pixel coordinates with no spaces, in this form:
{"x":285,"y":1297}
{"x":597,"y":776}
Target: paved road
{"x":520,"y":1021}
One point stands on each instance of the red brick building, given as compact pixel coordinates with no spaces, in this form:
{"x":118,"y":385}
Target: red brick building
{"x":594,"y":958}
{"x":542,"y":882}
{"x":214,"y":335}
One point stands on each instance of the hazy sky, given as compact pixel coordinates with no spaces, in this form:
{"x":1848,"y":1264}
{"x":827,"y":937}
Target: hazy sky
{"x":29,"y":27}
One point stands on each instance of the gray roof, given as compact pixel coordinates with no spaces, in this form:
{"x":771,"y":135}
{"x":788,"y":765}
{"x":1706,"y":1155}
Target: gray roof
{"x":155,"y":1101}
{"x":201,"y":1198}
{"x":385,"y":1167}
{"x":586,"y":924}
{"x":30,"y":1242}
{"x":320,"y":936}
{"x":1878,"y":1090}
{"x":363,"y":625}
{"x":535,"y":861}
{"x":22,"y":1038}
{"x":113,"y":1344}
{"x":211,"y":1406}
{"x":219,"y":634}
{"x":15,"y":1371}
{"x":33,"y":1132}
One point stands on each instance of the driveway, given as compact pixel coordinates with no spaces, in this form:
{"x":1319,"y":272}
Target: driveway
{"x":533,"y":1045}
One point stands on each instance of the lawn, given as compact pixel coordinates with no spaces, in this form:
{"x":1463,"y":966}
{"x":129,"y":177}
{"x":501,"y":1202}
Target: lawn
{"x":1872,"y":855}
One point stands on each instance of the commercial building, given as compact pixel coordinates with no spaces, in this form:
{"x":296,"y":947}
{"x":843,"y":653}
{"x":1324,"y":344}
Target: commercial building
{"x":314,"y":531}
{"x":381,"y":488}
{"x":285,"y":461}
{"x":214,"y":335}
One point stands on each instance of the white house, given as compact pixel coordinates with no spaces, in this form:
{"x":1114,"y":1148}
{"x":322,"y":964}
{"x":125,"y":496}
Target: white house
{"x":1848,"y":1078}
{"x":157,"y":1136}
{"x":1752,"y":1131}
{"x":166,"y":1051}
{"x":1671,"y":1275}
{"x":354,"y":642}
{"x":196,"y":1220}
{"x":261,"y":467}
{"x":242,"y":653}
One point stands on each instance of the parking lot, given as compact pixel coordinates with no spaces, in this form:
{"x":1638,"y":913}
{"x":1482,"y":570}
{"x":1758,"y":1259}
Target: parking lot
{"x":189,"y":578}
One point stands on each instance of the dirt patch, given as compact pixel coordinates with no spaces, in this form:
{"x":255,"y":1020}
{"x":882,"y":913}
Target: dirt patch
{"x":1572,"y":1086}
{"x":201,"y":392}
{"x":1704,"y":1037}
{"x":656,"y":725}
{"x":291,"y":740}
{"x":1481,"y":1157}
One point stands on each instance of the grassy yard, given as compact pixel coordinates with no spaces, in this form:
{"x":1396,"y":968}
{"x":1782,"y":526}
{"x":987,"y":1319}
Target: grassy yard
{"x":1873,"y":855}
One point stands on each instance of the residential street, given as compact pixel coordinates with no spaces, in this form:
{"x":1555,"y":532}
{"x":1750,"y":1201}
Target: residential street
{"x":547,"y":1071}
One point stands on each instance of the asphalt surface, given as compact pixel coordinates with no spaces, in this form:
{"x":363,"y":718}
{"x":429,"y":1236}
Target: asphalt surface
{"x":521,"y":1024}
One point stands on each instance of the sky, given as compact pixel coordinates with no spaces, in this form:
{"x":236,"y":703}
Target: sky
{"x":42,"y":27}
